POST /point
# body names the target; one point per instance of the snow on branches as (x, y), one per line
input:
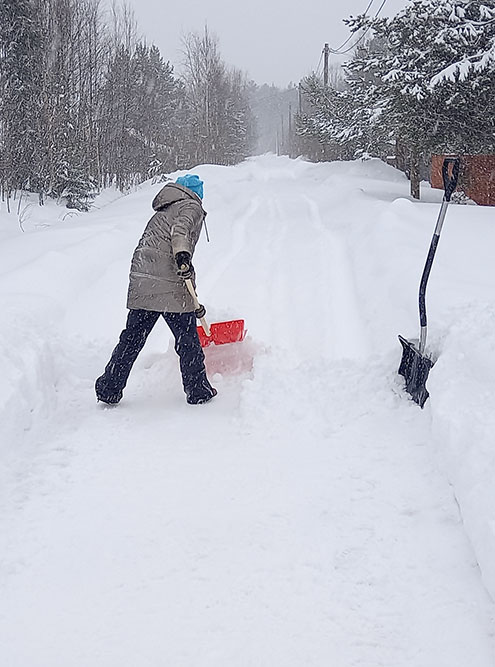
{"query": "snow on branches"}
(470, 30)
(433, 66)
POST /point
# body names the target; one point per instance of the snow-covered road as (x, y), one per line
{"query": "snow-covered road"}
(303, 517)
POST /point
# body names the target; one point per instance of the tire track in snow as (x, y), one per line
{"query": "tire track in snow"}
(215, 271)
(290, 288)
(345, 322)
(311, 265)
(271, 291)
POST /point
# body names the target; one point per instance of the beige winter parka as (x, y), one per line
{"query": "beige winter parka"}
(175, 227)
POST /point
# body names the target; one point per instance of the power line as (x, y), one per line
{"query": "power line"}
(351, 35)
(340, 52)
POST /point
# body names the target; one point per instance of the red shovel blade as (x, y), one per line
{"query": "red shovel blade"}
(222, 333)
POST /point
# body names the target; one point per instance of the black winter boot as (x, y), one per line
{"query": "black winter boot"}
(202, 394)
(104, 395)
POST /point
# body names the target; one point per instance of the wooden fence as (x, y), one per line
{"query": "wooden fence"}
(476, 178)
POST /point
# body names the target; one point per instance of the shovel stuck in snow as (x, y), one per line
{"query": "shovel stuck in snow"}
(415, 365)
(218, 333)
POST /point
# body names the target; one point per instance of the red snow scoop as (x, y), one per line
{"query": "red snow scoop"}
(218, 333)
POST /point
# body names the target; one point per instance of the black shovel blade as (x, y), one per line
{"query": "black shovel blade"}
(414, 368)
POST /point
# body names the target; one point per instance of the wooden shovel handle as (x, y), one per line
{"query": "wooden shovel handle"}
(197, 305)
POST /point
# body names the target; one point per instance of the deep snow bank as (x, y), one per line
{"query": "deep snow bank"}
(462, 385)
(48, 257)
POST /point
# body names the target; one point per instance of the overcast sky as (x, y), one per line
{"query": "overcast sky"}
(274, 41)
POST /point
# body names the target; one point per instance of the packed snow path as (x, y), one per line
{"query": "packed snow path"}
(301, 518)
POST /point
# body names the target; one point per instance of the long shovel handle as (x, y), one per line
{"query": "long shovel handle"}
(450, 180)
(449, 184)
(197, 305)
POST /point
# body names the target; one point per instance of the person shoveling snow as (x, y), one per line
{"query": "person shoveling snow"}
(160, 267)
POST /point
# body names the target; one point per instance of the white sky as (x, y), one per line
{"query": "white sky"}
(273, 41)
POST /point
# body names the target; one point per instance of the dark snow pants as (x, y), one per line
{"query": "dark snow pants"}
(110, 385)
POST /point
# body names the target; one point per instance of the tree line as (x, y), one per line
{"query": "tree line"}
(86, 104)
(422, 82)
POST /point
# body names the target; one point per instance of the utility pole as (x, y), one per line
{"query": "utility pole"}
(326, 52)
(290, 130)
(282, 135)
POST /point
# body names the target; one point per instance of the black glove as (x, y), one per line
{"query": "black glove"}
(184, 265)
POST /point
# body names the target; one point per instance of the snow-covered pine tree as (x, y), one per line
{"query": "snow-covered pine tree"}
(342, 121)
(237, 121)
(21, 48)
(142, 112)
(74, 185)
(323, 124)
(219, 121)
(116, 142)
(153, 119)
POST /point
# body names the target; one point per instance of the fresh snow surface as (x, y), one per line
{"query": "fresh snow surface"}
(311, 514)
